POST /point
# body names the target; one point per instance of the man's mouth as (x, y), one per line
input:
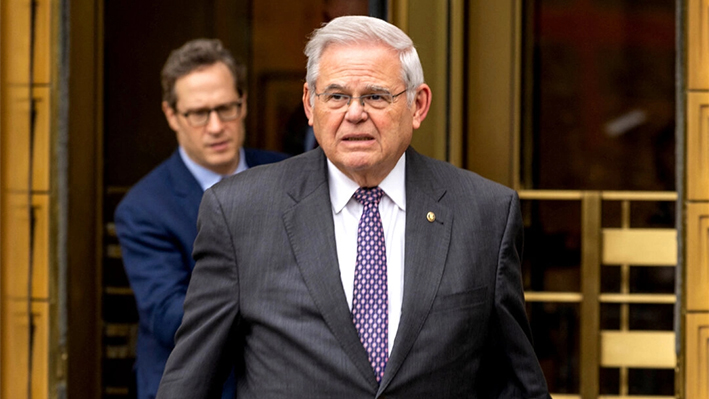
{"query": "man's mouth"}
(219, 144)
(357, 137)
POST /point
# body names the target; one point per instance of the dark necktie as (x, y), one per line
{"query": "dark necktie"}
(370, 301)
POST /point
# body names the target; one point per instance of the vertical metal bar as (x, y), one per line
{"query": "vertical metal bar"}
(449, 98)
(590, 288)
(624, 289)
(625, 214)
(455, 140)
(31, 209)
(516, 91)
(681, 18)
(398, 14)
(379, 9)
(623, 381)
(624, 322)
(528, 63)
(62, 13)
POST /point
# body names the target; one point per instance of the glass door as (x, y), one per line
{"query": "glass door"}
(596, 177)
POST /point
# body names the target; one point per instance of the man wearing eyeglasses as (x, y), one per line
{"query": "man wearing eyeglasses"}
(360, 269)
(204, 102)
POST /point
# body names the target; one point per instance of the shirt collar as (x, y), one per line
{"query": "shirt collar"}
(342, 187)
(205, 177)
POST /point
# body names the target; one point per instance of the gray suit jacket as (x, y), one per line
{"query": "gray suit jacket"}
(266, 294)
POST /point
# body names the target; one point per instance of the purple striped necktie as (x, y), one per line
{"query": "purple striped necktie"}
(370, 301)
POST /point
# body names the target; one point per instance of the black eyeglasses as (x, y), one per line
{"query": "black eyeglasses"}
(337, 101)
(225, 112)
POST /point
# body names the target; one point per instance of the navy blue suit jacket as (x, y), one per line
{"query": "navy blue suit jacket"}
(156, 223)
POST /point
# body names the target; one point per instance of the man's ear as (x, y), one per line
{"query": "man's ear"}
(244, 108)
(171, 116)
(306, 104)
(421, 105)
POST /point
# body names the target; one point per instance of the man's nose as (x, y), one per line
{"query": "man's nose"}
(214, 123)
(355, 111)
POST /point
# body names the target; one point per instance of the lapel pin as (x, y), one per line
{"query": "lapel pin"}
(431, 217)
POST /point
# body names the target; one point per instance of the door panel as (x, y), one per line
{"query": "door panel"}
(572, 103)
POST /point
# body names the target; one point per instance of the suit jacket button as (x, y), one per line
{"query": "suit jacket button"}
(431, 217)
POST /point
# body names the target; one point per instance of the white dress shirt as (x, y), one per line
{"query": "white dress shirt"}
(346, 212)
(205, 177)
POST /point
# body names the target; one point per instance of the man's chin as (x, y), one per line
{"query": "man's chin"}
(223, 165)
(358, 165)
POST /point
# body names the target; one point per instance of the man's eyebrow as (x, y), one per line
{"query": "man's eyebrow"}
(333, 86)
(197, 109)
(205, 108)
(377, 88)
(368, 88)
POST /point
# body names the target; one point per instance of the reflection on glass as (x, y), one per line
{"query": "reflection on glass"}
(610, 279)
(651, 382)
(555, 328)
(600, 95)
(646, 214)
(598, 106)
(644, 316)
(652, 279)
(610, 316)
(610, 381)
(552, 256)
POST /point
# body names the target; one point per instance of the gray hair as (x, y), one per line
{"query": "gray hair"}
(357, 29)
(196, 54)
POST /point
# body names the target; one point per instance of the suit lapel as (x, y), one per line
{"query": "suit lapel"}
(426, 251)
(183, 181)
(312, 236)
(185, 188)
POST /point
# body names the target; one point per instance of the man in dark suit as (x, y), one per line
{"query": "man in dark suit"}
(205, 104)
(360, 269)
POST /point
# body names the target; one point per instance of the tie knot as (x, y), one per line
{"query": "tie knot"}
(367, 196)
